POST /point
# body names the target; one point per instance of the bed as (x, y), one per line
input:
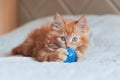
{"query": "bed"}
(101, 61)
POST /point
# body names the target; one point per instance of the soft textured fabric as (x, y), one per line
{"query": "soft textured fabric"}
(101, 62)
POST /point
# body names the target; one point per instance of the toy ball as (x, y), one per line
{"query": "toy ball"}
(71, 57)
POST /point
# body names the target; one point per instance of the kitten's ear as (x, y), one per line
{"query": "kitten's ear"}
(81, 24)
(58, 22)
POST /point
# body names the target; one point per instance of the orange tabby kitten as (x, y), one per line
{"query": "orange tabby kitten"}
(48, 43)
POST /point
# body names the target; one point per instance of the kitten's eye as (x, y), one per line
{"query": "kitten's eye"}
(74, 39)
(63, 38)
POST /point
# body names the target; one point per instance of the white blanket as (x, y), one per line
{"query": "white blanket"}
(101, 62)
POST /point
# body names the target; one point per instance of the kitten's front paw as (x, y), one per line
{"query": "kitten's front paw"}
(79, 55)
(62, 54)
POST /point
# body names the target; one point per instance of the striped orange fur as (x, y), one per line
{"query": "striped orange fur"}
(48, 43)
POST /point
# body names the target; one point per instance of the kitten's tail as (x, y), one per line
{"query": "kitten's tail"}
(16, 51)
(23, 49)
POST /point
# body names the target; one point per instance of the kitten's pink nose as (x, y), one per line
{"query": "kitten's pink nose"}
(65, 43)
(68, 46)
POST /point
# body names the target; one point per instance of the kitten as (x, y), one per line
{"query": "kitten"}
(48, 43)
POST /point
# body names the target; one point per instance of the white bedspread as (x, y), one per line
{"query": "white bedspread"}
(101, 62)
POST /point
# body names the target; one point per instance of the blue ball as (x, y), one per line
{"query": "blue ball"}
(72, 56)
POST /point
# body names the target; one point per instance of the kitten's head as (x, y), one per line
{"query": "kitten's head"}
(69, 33)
